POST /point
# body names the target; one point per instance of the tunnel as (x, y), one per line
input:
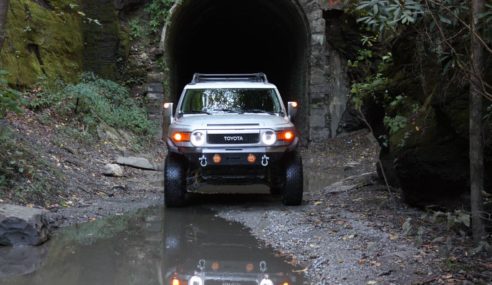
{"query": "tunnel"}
(240, 36)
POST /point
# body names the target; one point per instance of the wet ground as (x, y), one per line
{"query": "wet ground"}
(152, 246)
(350, 230)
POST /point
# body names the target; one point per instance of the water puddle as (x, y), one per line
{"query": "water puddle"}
(152, 246)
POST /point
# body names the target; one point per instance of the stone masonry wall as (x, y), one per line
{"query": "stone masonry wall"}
(328, 83)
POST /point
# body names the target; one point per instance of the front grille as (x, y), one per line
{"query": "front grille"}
(233, 138)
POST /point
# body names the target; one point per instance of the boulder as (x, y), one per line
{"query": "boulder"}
(137, 162)
(113, 170)
(22, 225)
(428, 156)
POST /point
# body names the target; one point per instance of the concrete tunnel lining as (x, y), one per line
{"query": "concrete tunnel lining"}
(224, 36)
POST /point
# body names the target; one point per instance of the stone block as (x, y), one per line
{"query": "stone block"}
(155, 88)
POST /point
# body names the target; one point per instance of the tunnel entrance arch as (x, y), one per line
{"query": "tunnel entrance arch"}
(241, 36)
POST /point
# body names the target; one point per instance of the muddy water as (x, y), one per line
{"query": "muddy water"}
(152, 246)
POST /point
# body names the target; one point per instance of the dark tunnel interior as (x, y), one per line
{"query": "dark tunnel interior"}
(241, 36)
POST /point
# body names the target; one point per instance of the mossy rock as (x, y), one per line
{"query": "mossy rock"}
(42, 42)
(430, 154)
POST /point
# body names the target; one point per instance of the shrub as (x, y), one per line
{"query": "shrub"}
(9, 98)
(93, 101)
(159, 12)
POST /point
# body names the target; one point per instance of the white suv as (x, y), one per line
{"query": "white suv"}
(232, 129)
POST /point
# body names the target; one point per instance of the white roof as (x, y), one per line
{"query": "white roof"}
(232, 84)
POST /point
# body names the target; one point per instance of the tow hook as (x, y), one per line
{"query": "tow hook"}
(203, 161)
(264, 160)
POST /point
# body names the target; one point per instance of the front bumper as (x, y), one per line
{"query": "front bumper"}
(227, 159)
(232, 155)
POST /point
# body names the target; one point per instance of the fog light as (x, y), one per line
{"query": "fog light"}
(175, 281)
(217, 159)
(251, 158)
(215, 266)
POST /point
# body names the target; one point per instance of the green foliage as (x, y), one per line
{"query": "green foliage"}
(10, 100)
(137, 30)
(369, 85)
(395, 124)
(93, 101)
(159, 12)
(383, 15)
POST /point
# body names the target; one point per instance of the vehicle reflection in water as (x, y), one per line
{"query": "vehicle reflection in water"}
(152, 246)
(202, 250)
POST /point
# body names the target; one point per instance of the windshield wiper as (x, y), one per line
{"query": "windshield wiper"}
(225, 110)
(197, 112)
(256, 111)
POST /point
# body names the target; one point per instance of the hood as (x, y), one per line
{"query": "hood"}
(232, 121)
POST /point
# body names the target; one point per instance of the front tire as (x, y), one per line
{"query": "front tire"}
(174, 181)
(293, 187)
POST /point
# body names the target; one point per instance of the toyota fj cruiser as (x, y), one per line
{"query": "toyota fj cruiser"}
(232, 129)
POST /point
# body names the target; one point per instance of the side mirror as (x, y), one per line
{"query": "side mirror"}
(168, 111)
(292, 109)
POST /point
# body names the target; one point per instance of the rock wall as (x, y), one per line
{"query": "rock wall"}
(429, 156)
(328, 84)
(106, 46)
(42, 39)
(62, 38)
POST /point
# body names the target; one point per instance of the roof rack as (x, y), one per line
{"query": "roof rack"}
(248, 77)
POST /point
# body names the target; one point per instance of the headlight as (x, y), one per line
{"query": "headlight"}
(268, 137)
(197, 138)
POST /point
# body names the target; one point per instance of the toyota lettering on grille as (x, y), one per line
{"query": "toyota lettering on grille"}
(233, 138)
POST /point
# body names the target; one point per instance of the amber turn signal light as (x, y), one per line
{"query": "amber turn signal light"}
(287, 136)
(175, 281)
(180, 137)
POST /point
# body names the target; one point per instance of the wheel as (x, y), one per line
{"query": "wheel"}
(174, 181)
(293, 187)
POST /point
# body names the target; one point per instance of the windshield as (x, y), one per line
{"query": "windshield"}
(240, 100)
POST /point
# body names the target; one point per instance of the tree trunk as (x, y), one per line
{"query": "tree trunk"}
(476, 125)
(4, 8)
